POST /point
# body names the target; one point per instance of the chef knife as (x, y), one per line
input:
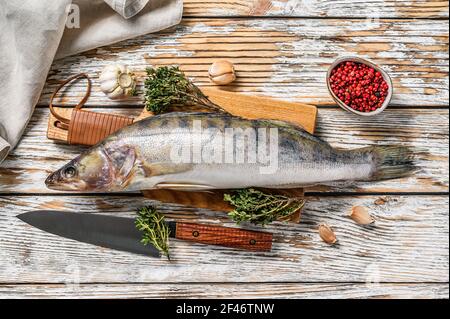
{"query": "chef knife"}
(120, 233)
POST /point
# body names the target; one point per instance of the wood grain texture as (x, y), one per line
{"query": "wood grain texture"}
(228, 291)
(224, 236)
(213, 200)
(254, 107)
(426, 131)
(280, 58)
(408, 243)
(318, 8)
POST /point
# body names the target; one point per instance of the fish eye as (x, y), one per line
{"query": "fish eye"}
(70, 172)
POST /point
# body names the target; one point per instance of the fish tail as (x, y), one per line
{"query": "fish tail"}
(391, 162)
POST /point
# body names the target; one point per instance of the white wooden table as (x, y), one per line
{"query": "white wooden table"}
(281, 49)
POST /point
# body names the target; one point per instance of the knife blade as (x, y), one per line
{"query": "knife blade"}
(120, 233)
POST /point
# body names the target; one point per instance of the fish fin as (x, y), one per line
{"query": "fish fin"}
(157, 169)
(296, 129)
(128, 164)
(391, 162)
(285, 124)
(183, 186)
(126, 180)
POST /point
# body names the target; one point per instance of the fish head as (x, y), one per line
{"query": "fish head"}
(90, 171)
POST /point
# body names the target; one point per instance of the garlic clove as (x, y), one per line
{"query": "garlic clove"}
(361, 215)
(222, 72)
(108, 86)
(327, 234)
(224, 79)
(221, 67)
(116, 94)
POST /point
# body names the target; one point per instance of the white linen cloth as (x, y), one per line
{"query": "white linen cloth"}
(34, 32)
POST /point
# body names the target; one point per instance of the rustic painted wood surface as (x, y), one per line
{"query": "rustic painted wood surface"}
(281, 49)
(318, 8)
(195, 291)
(409, 243)
(281, 58)
(426, 130)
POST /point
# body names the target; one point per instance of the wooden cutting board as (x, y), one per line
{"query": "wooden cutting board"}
(255, 107)
(246, 106)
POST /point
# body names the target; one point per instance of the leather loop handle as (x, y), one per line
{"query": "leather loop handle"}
(65, 122)
(224, 236)
(85, 127)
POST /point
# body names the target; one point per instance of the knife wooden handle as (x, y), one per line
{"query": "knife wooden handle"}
(224, 236)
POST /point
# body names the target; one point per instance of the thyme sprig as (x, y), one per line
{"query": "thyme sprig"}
(168, 85)
(155, 230)
(260, 208)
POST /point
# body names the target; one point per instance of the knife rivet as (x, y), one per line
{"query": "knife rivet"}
(252, 242)
(195, 233)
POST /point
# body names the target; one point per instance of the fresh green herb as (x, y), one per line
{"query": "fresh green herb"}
(260, 208)
(155, 230)
(167, 86)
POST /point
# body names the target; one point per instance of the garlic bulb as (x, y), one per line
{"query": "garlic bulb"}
(117, 81)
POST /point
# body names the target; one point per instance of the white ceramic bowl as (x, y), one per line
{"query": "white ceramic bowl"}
(386, 77)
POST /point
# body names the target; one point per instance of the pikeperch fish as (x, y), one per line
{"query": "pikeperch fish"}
(202, 151)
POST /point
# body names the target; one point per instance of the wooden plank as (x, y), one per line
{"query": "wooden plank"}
(409, 243)
(425, 130)
(233, 291)
(318, 8)
(284, 59)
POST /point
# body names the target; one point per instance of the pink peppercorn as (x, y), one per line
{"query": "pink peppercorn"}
(359, 86)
